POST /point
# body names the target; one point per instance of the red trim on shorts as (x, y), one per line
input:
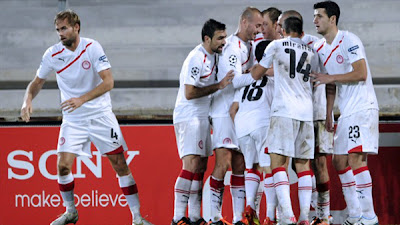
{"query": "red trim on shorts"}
(130, 190)
(216, 184)
(84, 50)
(356, 149)
(57, 52)
(360, 170)
(268, 175)
(266, 150)
(67, 187)
(304, 173)
(344, 171)
(116, 151)
(198, 176)
(323, 187)
(279, 169)
(186, 175)
(237, 180)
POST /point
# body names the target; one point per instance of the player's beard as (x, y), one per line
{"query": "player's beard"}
(218, 49)
(69, 41)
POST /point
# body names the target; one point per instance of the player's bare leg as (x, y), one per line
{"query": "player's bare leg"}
(319, 165)
(362, 176)
(66, 184)
(304, 188)
(237, 186)
(223, 159)
(282, 187)
(341, 164)
(128, 186)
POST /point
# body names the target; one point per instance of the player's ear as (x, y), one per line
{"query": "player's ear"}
(207, 39)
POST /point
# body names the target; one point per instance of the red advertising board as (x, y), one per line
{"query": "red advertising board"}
(30, 192)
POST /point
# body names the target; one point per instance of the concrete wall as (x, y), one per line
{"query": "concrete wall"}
(148, 40)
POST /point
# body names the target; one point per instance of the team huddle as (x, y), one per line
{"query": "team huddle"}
(267, 92)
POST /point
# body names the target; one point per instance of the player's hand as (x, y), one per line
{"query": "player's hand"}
(26, 111)
(71, 104)
(320, 78)
(329, 123)
(227, 80)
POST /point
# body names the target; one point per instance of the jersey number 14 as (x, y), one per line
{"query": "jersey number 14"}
(300, 64)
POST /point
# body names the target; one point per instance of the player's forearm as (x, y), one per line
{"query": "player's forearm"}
(242, 80)
(258, 71)
(101, 89)
(359, 73)
(330, 90)
(33, 89)
(198, 92)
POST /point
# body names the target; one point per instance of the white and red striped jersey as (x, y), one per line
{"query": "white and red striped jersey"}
(238, 56)
(337, 58)
(199, 69)
(293, 60)
(77, 74)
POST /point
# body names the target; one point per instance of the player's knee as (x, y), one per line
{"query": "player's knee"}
(355, 160)
(63, 169)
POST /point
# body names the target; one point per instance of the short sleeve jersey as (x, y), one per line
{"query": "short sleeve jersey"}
(337, 58)
(77, 74)
(254, 108)
(293, 60)
(319, 96)
(199, 69)
(238, 56)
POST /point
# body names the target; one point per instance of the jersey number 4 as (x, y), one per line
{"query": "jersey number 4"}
(300, 64)
(250, 89)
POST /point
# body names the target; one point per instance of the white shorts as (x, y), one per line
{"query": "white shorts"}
(224, 135)
(104, 131)
(253, 148)
(323, 138)
(358, 132)
(193, 137)
(291, 138)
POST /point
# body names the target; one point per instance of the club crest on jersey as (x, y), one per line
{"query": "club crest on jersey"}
(232, 60)
(339, 59)
(86, 65)
(227, 141)
(201, 144)
(62, 141)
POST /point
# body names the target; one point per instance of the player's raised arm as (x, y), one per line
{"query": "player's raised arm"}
(31, 91)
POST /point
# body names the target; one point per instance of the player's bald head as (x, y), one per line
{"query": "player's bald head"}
(291, 13)
(249, 13)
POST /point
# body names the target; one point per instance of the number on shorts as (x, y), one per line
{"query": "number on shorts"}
(114, 134)
(300, 64)
(354, 132)
(249, 90)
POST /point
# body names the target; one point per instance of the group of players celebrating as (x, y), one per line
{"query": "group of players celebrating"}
(267, 91)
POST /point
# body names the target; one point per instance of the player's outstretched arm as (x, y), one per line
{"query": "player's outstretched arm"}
(192, 92)
(108, 83)
(31, 91)
(258, 71)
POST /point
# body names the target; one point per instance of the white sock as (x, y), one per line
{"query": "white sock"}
(364, 191)
(314, 195)
(270, 195)
(349, 191)
(196, 190)
(129, 188)
(182, 193)
(66, 184)
(282, 188)
(305, 191)
(252, 182)
(216, 195)
(323, 203)
(238, 196)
